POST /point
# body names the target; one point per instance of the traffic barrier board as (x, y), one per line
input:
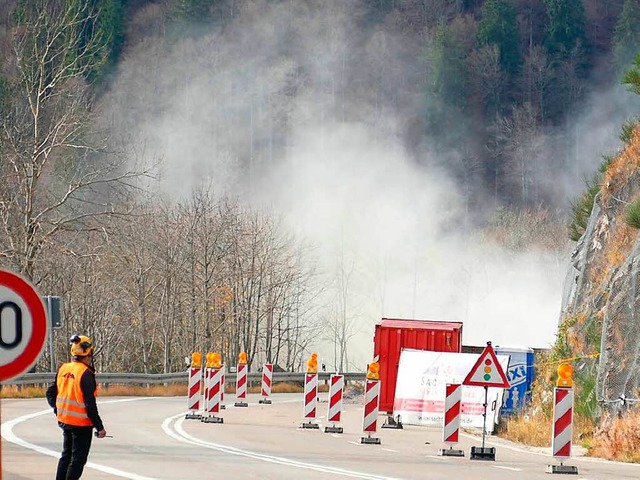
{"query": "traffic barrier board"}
(23, 325)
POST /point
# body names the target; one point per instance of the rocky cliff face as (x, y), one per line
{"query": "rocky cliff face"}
(602, 289)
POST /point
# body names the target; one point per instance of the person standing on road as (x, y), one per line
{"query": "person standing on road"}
(72, 396)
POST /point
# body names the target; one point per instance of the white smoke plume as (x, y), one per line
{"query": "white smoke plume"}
(259, 106)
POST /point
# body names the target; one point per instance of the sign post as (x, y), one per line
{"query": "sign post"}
(54, 313)
(486, 373)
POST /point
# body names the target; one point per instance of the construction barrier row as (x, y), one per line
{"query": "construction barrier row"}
(486, 371)
(213, 393)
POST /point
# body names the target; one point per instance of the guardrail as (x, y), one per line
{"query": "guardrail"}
(177, 377)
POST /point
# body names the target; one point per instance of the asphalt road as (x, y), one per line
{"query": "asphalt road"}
(152, 440)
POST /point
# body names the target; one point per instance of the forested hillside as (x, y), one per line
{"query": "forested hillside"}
(145, 147)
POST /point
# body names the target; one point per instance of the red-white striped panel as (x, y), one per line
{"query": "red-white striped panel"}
(267, 376)
(206, 380)
(193, 392)
(213, 393)
(562, 423)
(452, 403)
(335, 398)
(241, 382)
(371, 402)
(310, 395)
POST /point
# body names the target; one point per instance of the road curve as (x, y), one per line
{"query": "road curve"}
(152, 440)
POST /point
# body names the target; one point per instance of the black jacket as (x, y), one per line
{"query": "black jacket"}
(88, 387)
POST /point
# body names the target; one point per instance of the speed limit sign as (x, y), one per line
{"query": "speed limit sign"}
(23, 325)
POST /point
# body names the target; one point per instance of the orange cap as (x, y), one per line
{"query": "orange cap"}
(373, 371)
(196, 360)
(213, 360)
(242, 358)
(312, 363)
(565, 373)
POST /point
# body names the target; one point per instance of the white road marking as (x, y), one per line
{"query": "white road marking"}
(513, 469)
(354, 443)
(7, 434)
(183, 436)
(389, 450)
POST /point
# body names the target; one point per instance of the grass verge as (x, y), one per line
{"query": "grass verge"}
(619, 439)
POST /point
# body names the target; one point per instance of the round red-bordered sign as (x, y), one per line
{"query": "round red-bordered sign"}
(21, 297)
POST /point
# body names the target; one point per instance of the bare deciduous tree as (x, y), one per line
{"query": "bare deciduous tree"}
(53, 180)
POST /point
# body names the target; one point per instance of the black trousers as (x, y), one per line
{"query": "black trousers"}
(75, 450)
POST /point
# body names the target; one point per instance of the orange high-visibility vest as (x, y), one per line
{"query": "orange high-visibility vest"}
(70, 401)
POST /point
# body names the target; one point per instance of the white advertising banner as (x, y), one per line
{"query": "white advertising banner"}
(421, 389)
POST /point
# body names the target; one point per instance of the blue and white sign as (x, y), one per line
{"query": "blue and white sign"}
(520, 374)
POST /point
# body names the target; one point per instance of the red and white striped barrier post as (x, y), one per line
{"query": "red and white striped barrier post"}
(451, 424)
(562, 421)
(371, 403)
(310, 400)
(241, 381)
(267, 380)
(335, 403)
(213, 374)
(194, 387)
(310, 393)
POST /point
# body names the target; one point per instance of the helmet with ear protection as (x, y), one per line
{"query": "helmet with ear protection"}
(81, 346)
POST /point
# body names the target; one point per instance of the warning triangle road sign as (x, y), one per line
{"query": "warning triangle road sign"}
(487, 371)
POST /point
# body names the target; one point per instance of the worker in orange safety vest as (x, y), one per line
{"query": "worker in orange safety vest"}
(73, 398)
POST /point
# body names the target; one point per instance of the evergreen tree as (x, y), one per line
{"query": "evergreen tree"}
(450, 119)
(452, 45)
(111, 22)
(632, 77)
(627, 34)
(499, 27)
(566, 29)
(108, 23)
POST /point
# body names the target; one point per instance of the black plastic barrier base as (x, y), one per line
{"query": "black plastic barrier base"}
(241, 404)
(451, 452)
(333, 429)
(212, 420)
(193, 416)
(370, 440)
(562, 469)
(311, 425)
(265, 401)
(486, 453)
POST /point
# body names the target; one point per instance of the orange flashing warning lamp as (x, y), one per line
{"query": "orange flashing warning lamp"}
(196, 360)
(213, 360)
(565, 373)
(242, 358)
(312, 363)
(373, 371)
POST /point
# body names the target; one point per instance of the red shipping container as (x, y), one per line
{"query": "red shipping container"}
(393, 334)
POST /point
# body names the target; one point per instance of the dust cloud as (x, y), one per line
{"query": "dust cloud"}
(295, 108)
